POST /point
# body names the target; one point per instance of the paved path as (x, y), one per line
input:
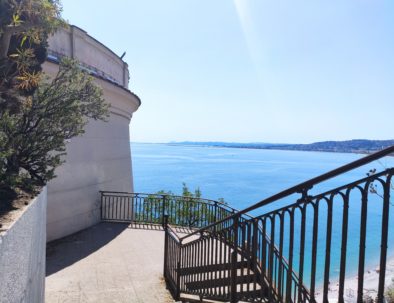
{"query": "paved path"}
(109, 262)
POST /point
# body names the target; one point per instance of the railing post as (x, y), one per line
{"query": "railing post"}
(178, 282)
(101, 205)
(233, 295)
(384, 239)
(215, 215)
(178, 275)
(132, 199)
(254, 265)
(163, 213)
(363, 234)
(165, 226)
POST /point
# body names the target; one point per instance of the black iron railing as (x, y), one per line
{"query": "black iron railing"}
(172, 255)
(151, 208)
(255, 259)
(193, 213)
(232, 260)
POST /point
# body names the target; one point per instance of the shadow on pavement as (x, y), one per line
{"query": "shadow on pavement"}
(66, 251)
(147, 226)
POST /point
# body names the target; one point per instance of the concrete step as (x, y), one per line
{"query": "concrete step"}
(211, 268)
(250, 296)
(188, 298)
(219, 282)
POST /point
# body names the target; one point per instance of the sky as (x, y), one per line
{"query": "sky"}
(292, 71)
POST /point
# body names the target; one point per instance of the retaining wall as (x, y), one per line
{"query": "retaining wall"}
(22, 255)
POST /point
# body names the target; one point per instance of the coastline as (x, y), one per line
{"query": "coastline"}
(371, 281)
(273, 147)
(360, 153)
(361, 147)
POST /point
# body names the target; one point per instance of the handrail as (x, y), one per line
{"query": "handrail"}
(332, 191)
(172, 245)
(194, 212)
(248, 256)
(173, 196)
(173, 231)
(299, 188)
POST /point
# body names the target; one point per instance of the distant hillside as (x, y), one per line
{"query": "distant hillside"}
(350, 146)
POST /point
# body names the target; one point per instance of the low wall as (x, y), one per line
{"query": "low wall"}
(22, 255)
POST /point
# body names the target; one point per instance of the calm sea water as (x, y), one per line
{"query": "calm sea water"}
(245, 176)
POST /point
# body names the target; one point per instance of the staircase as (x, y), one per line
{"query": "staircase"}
(216, 282)
(223, 266)
(241, 258)
(206, 267)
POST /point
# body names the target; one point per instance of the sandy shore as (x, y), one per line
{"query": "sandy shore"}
(371, 281)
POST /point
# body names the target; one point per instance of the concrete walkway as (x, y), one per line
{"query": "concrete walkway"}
(109, 262)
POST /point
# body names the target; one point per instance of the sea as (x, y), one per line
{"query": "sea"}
(243, 177)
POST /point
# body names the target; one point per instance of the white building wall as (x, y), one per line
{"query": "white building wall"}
(100, 159)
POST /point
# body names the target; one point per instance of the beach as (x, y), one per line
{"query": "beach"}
(371, 281)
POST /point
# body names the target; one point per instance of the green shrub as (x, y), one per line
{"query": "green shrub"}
(187, 210)
(37, 115)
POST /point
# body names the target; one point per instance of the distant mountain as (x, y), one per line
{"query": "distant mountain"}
(350, 146)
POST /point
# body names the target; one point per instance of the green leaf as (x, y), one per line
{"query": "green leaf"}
(23, 40)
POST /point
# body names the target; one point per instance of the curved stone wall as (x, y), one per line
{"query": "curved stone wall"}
(100, 159)
(76, 43)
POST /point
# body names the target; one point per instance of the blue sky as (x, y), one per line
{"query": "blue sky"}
(251, 71)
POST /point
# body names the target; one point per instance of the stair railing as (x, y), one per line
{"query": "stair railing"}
(274, 243)
(210, 261)
(172, 251)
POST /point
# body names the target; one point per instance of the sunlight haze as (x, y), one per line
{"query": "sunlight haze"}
(251, 71)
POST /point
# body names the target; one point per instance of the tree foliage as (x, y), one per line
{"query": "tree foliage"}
(24, 29)
(33, 140)
(37, 114)
(188, 210)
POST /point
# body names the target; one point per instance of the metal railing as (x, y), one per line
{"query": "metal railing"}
(231, 260)
(188, 212)
(151, 208)
(172, 258)
(293, 238)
